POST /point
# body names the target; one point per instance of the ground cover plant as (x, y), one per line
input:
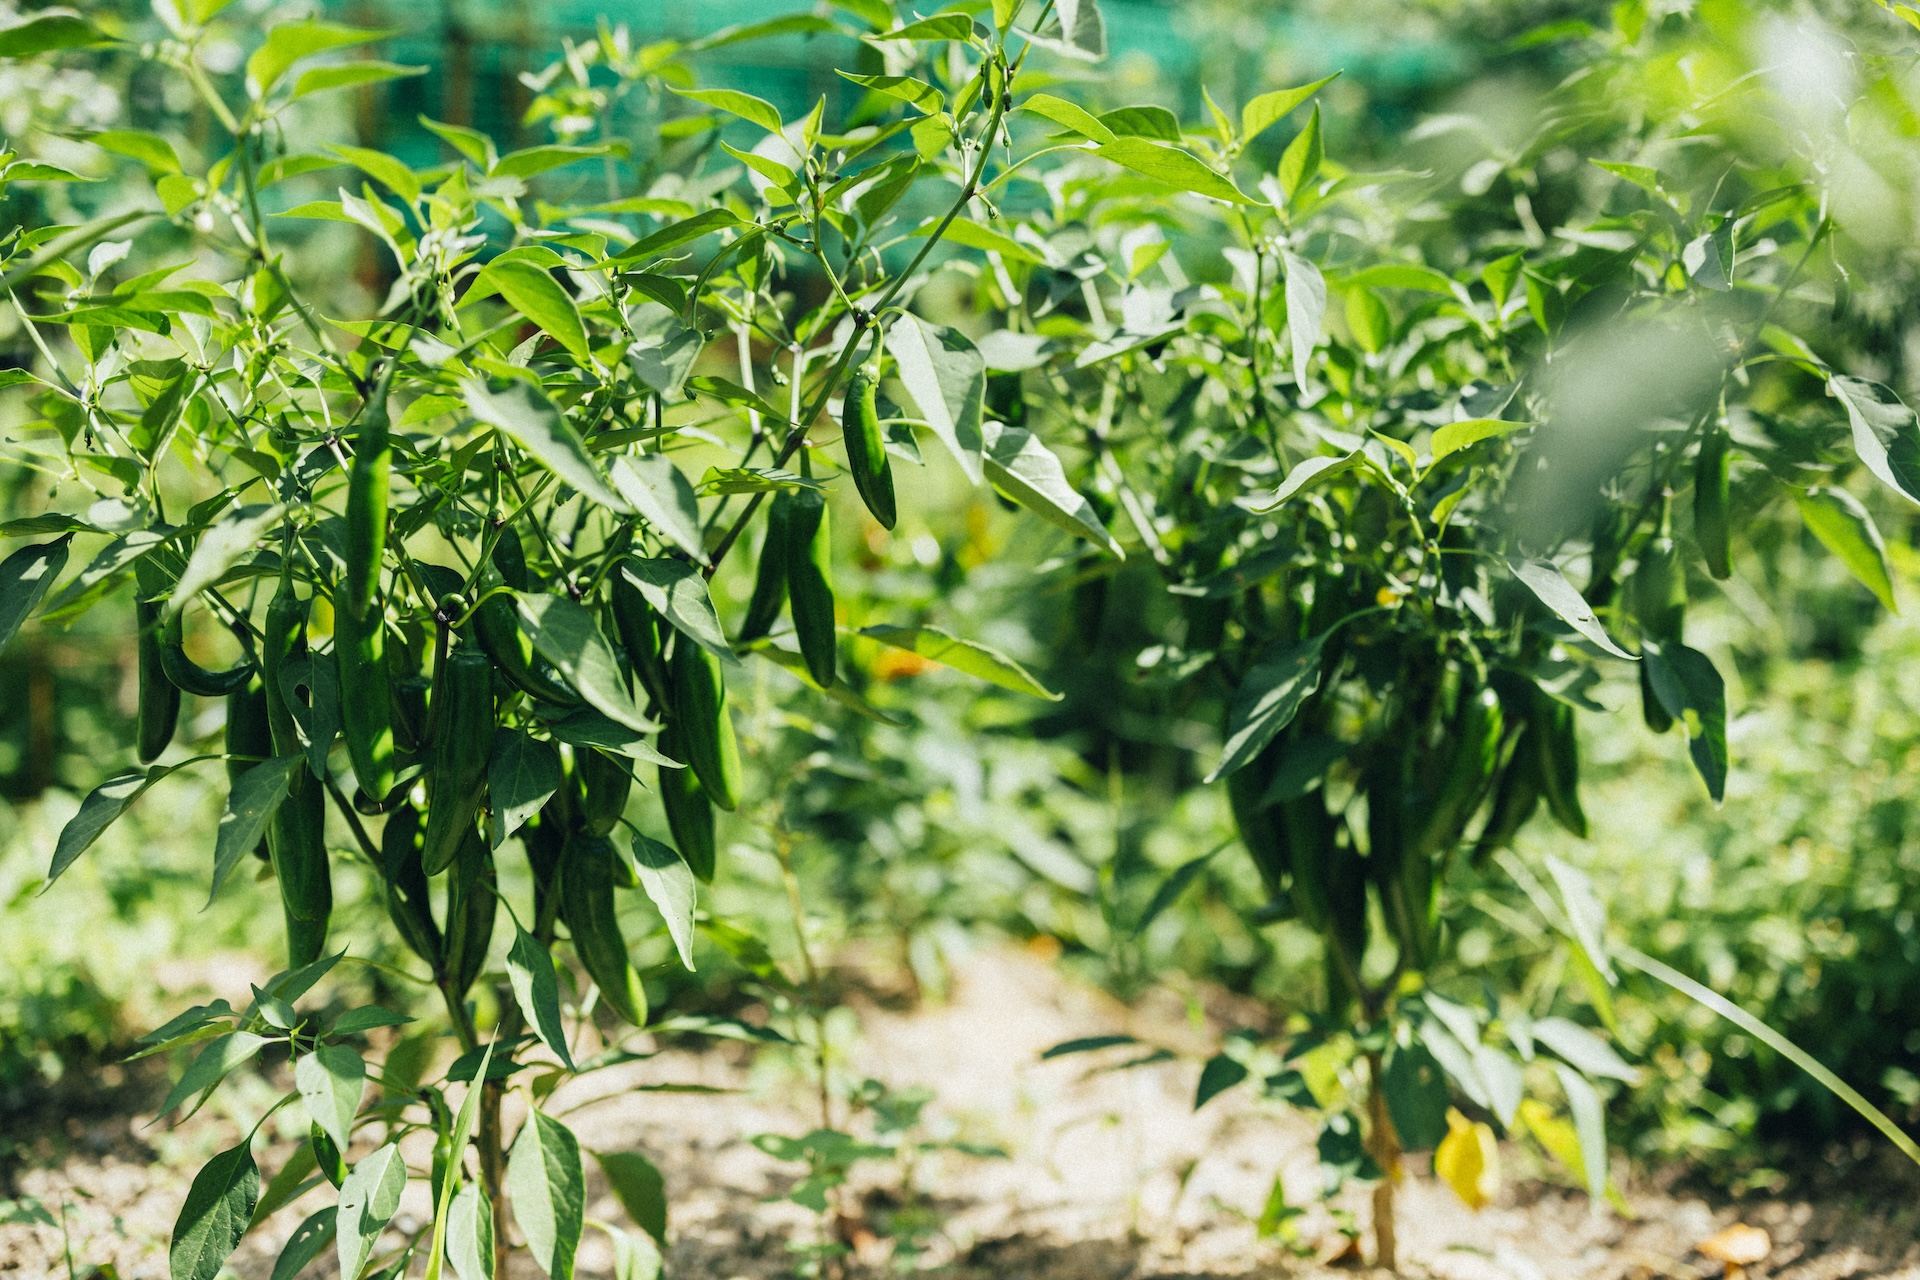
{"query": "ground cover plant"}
(463, 545)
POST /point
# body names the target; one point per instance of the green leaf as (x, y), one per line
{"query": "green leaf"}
(471, 143)
(962, 655)
(331, 1080)
(1171, 165)
(1085, 1044)
(319, 210)
(383, 168)
(530, 971)
(917, 94)
(1416, 1094)
(1400, 275)
(1456, 436)
(749, 108)
(289, 42)
(1069, 115)
(679, 233)
(947, 377)
(585, 727)
(973, 235)
(1711, 999)
(251, 803)
(664, 498)
(639, 1188)
(150, 149)
(634, 1257)
(214, 1218)
(1267, 700)
(219, 548)
(1219, 1075)
(1155, 123)
(366, 1018)
(1268, 109)
(533, 161)
(678, 592)
(1886, 434)
(732, 481)
(100, 810)
(213, 1064)
(1585, 914)
(99, 576)
(350, 75)
(945, 26)
(48, 33)
(565, 634)
(525, 414)
(548, 1190)
(662, 359)
(538, 296)
(368, 1199)
(1020, 466)
(790, 661)
(1546, 581)
(1590, 1122)
(667, 879)
(522, 773)
(295, 1179)
(1300, 162)
(470, 1233)
(308, 1241)
(1082, 27)
(1586, 1051)
(24, 578)
(1170, 890)
(1690, 688)
(1841, 522)
(1306, 312)
(791, 24)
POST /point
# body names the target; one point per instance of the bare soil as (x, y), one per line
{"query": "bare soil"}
(1108, 1175)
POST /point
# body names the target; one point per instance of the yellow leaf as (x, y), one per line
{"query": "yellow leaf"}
(1468, 1160)
(1555, 1133)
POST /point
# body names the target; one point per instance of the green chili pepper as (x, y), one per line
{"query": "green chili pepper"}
(159, 696)
(1712, 501)
(639, 628)
(409, 903)
(770, 576)
(496, 626)
(867, 450)
(462, 742)
(689, 811)
(327, 1156)
(586, 904)
(605, 782)
(248, 734)
(810, 585)
(366, 697)
(1515, 796)
(296, 835)
(189, 676)
(471, 903)
(699, 702)
(1558, 751)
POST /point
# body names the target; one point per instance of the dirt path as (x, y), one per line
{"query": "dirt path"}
(1109, 1176)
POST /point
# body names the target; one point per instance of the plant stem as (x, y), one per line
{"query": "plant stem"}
(1386, 1154)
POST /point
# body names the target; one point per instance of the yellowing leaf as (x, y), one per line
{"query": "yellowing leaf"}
(1468, 1160)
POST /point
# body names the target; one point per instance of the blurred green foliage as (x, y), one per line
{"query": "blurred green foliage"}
(1798, 898)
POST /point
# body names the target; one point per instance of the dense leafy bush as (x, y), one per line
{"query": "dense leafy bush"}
(1344, 489)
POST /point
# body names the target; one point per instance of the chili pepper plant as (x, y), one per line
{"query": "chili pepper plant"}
(465, 557)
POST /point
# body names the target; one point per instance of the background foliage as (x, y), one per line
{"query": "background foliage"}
(1797, 897)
